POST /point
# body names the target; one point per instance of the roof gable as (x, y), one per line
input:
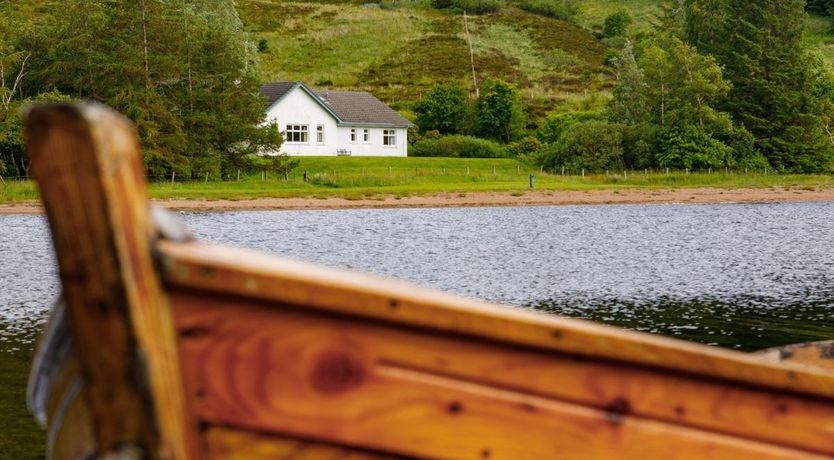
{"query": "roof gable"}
(347, 107)
(276, 91)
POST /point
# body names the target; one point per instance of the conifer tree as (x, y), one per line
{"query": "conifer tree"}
(760, 47)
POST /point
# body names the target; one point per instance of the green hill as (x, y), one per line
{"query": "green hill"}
(397, 52)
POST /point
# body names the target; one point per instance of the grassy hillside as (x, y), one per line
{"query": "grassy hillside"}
(398, 52)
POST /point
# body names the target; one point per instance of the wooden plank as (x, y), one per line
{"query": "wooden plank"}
(817, 354)
(228, 444)
(377, 385)
(247, 273)
(87, 163)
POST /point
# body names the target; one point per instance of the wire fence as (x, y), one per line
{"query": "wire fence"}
(392, 172)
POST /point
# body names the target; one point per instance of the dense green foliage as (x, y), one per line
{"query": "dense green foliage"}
(593, 145)
(500, 114)
(823, 7)
(181, 70)
(616, 25)
(780, 93)
(457, 146)
(442, 109)
(470, 6)
(717, 83)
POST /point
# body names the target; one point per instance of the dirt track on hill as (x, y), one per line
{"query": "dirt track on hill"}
(480, 199)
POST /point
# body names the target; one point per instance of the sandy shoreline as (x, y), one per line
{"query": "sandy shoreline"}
(481, 199)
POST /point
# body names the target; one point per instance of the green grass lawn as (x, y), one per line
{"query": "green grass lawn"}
(358, 178)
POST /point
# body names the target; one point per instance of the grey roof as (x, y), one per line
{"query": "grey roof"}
(361, 108)
(275, 91)
(349, 107)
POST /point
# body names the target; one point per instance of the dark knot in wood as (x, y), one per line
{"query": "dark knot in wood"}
(337, 372)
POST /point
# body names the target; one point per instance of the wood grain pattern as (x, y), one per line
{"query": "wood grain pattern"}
(87, 163)
(230, 444)
(375, 385)
(318, 289)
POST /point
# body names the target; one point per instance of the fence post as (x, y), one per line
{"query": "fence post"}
(583, 172)
(207, 177)
(173, 175)
(687, 171)
(646, 172)
(563, 171)
(667, 171)
(238, 175)
(517, 170)
(363, 172)
(541, 170)
(389, 171)
(263, 176)
(467, 170)
(709, 171)
(3, 181)
(493, 170)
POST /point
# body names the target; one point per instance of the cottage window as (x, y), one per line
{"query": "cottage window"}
(320, 134)
(366, 135)
(389, 137)
(353, 134)
(296, 133)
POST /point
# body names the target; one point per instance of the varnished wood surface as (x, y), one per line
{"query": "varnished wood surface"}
(816, 354)
(231, 444)
(215, 269)
(87, 163)
(278, 369)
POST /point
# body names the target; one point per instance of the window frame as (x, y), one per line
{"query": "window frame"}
(353, 134)
(320, 134)
(366, 135)
(389, 137)
(297, 133)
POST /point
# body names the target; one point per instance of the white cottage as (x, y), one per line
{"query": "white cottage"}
(334, 122)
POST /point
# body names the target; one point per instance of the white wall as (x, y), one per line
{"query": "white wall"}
(374, 147)
(298, 108)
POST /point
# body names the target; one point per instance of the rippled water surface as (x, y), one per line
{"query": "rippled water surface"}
(741, 276)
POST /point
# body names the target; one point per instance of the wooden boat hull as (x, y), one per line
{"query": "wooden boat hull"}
(226, 353)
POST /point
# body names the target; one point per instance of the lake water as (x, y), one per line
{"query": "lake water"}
(740, 276)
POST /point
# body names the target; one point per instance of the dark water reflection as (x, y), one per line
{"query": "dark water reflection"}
(740, 276)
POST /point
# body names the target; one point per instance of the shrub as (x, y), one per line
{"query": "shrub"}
(500, 114)
(690, 147)
(565, 10)
(592, 145)
(442, 108)
(556, 124)
(263, 46)
(616, 24)
(458, 147)
(470, 6)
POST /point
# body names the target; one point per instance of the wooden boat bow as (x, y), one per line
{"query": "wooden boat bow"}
(188, 350)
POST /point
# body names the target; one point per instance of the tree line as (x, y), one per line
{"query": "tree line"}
(717, 83)
(184, 71)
